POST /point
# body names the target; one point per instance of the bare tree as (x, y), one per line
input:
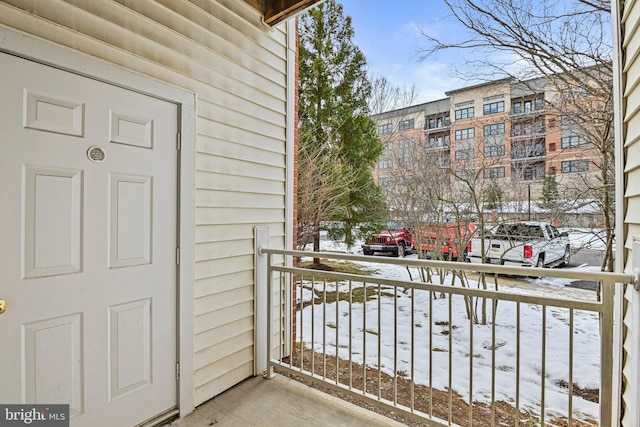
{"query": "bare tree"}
(570, 46)
(387, 96)
(428, 190)
(321, 184)
(390, 105)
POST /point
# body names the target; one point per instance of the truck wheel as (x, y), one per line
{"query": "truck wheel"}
(367, 252)
(566, 258)
(401, 251)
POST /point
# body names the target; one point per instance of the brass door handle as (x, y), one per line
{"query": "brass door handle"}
(3, 306)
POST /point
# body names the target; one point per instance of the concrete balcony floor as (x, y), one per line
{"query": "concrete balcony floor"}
(280, 402)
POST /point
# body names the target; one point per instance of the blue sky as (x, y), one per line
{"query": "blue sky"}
(387, 33)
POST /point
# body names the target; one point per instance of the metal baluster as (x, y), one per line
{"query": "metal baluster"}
(364, 340)
(544, 364)
(570, 415)
(350, 334)
(395, 345)
(379, 341)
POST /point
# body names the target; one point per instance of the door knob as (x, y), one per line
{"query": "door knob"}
(3, 306)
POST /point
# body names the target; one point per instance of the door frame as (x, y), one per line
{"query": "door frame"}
(49, 53)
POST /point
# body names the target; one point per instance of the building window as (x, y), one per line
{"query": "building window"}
(493, 150)
(517, 129)
(520, 129)
(384, 163)
(465, 134)
(572, 166)
(405, 151)
(385, 128)
(406, 124)
(438, 141)
(552, 146)
(386, 160)
(532, 172)
(385, 181)
(438, 122)
(496, 172)
(517, 107)
(465, 113)
(493, 108)
(495, 129)
(465, 174)
(573, 141)
(538, 103)
(465, 154)
(527, 106)
(574, 92)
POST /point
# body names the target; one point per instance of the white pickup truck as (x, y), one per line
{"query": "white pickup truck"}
(525, 244)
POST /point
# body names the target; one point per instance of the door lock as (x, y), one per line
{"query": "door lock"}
(3, 306)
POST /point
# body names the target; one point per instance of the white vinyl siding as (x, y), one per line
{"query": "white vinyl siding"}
(628, 143)
(237, 67)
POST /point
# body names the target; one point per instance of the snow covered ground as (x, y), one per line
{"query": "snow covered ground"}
(451, 346)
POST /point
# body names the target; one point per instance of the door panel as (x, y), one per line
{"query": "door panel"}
(52, 221)
(88, 186)
(55, 375)
(130, 343)
(130, 220)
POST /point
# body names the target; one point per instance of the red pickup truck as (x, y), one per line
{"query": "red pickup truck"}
(445, 241)
(395, 240)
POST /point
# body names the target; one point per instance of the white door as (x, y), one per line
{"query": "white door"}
(88, 196)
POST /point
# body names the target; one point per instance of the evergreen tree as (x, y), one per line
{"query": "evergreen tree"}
(334, 124)
(493, 195)
(550, 194)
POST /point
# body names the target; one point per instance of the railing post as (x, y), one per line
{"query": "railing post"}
(606, 354)
(260, 300)
(630, 416)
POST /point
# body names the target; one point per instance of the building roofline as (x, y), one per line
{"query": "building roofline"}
(423, 107)
(492, 82)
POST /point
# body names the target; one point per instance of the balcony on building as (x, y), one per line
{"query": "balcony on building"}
(438, 143)
(526, 107)
(533, 171)
(529, 151)
(528, 132)
(437, 124)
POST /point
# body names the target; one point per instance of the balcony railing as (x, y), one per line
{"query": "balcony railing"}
(526, 111)
(437, 127)
(417, 346)
(528, 135)
(528, 152)
(438, 145)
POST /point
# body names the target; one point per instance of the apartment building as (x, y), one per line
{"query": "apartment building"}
(512, 133)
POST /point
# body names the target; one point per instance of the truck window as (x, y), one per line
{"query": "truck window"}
(551, 232)
(519, 231)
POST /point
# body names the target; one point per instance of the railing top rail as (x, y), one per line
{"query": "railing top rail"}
(605, 277)
(436, 287)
